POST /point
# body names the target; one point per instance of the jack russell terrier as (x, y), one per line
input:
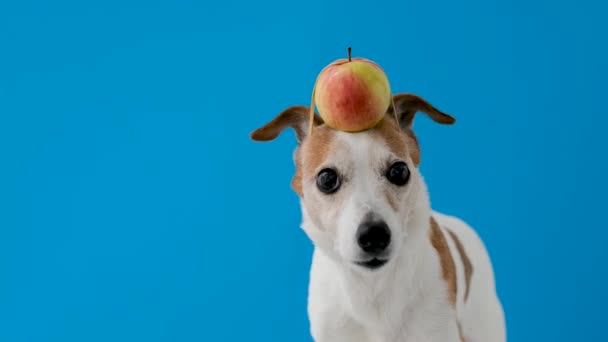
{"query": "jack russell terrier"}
(386, 267)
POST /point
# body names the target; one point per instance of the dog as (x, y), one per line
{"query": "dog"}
(385, 267)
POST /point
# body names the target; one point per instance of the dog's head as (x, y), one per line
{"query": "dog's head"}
(361, 193)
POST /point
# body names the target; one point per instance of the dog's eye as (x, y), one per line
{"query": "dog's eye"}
(328, 181)
(398, 173)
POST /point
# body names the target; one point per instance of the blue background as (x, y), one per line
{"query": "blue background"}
(134, 207)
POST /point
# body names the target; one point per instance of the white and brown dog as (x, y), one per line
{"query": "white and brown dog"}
(386, 267)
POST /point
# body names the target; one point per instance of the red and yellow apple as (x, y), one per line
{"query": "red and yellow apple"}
(352, 94)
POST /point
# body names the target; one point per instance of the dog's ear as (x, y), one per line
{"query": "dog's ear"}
(296, 117)
(407, 105)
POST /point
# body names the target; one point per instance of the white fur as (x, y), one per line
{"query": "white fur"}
(406, 299)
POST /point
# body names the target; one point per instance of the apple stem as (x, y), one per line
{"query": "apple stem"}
(349, 57)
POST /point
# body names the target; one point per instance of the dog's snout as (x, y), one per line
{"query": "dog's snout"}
(373, 237)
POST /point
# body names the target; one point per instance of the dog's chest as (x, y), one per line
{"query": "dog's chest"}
(401, 313)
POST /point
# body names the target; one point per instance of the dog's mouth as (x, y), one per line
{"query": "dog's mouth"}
(372, 264)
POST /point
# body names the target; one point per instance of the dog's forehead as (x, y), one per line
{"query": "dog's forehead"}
(325, 142)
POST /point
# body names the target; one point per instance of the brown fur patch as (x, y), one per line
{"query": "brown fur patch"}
(448, 267)
(413, 146)
(399, 143)
(296, 181)
(390, 133)
(315, 148)
(311, 154)
(466, 262)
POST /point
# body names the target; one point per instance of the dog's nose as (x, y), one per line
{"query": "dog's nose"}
(373, 237)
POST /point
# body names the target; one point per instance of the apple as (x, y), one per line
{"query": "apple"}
(352, 94)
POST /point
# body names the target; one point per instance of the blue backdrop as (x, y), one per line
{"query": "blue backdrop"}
(134, 207)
